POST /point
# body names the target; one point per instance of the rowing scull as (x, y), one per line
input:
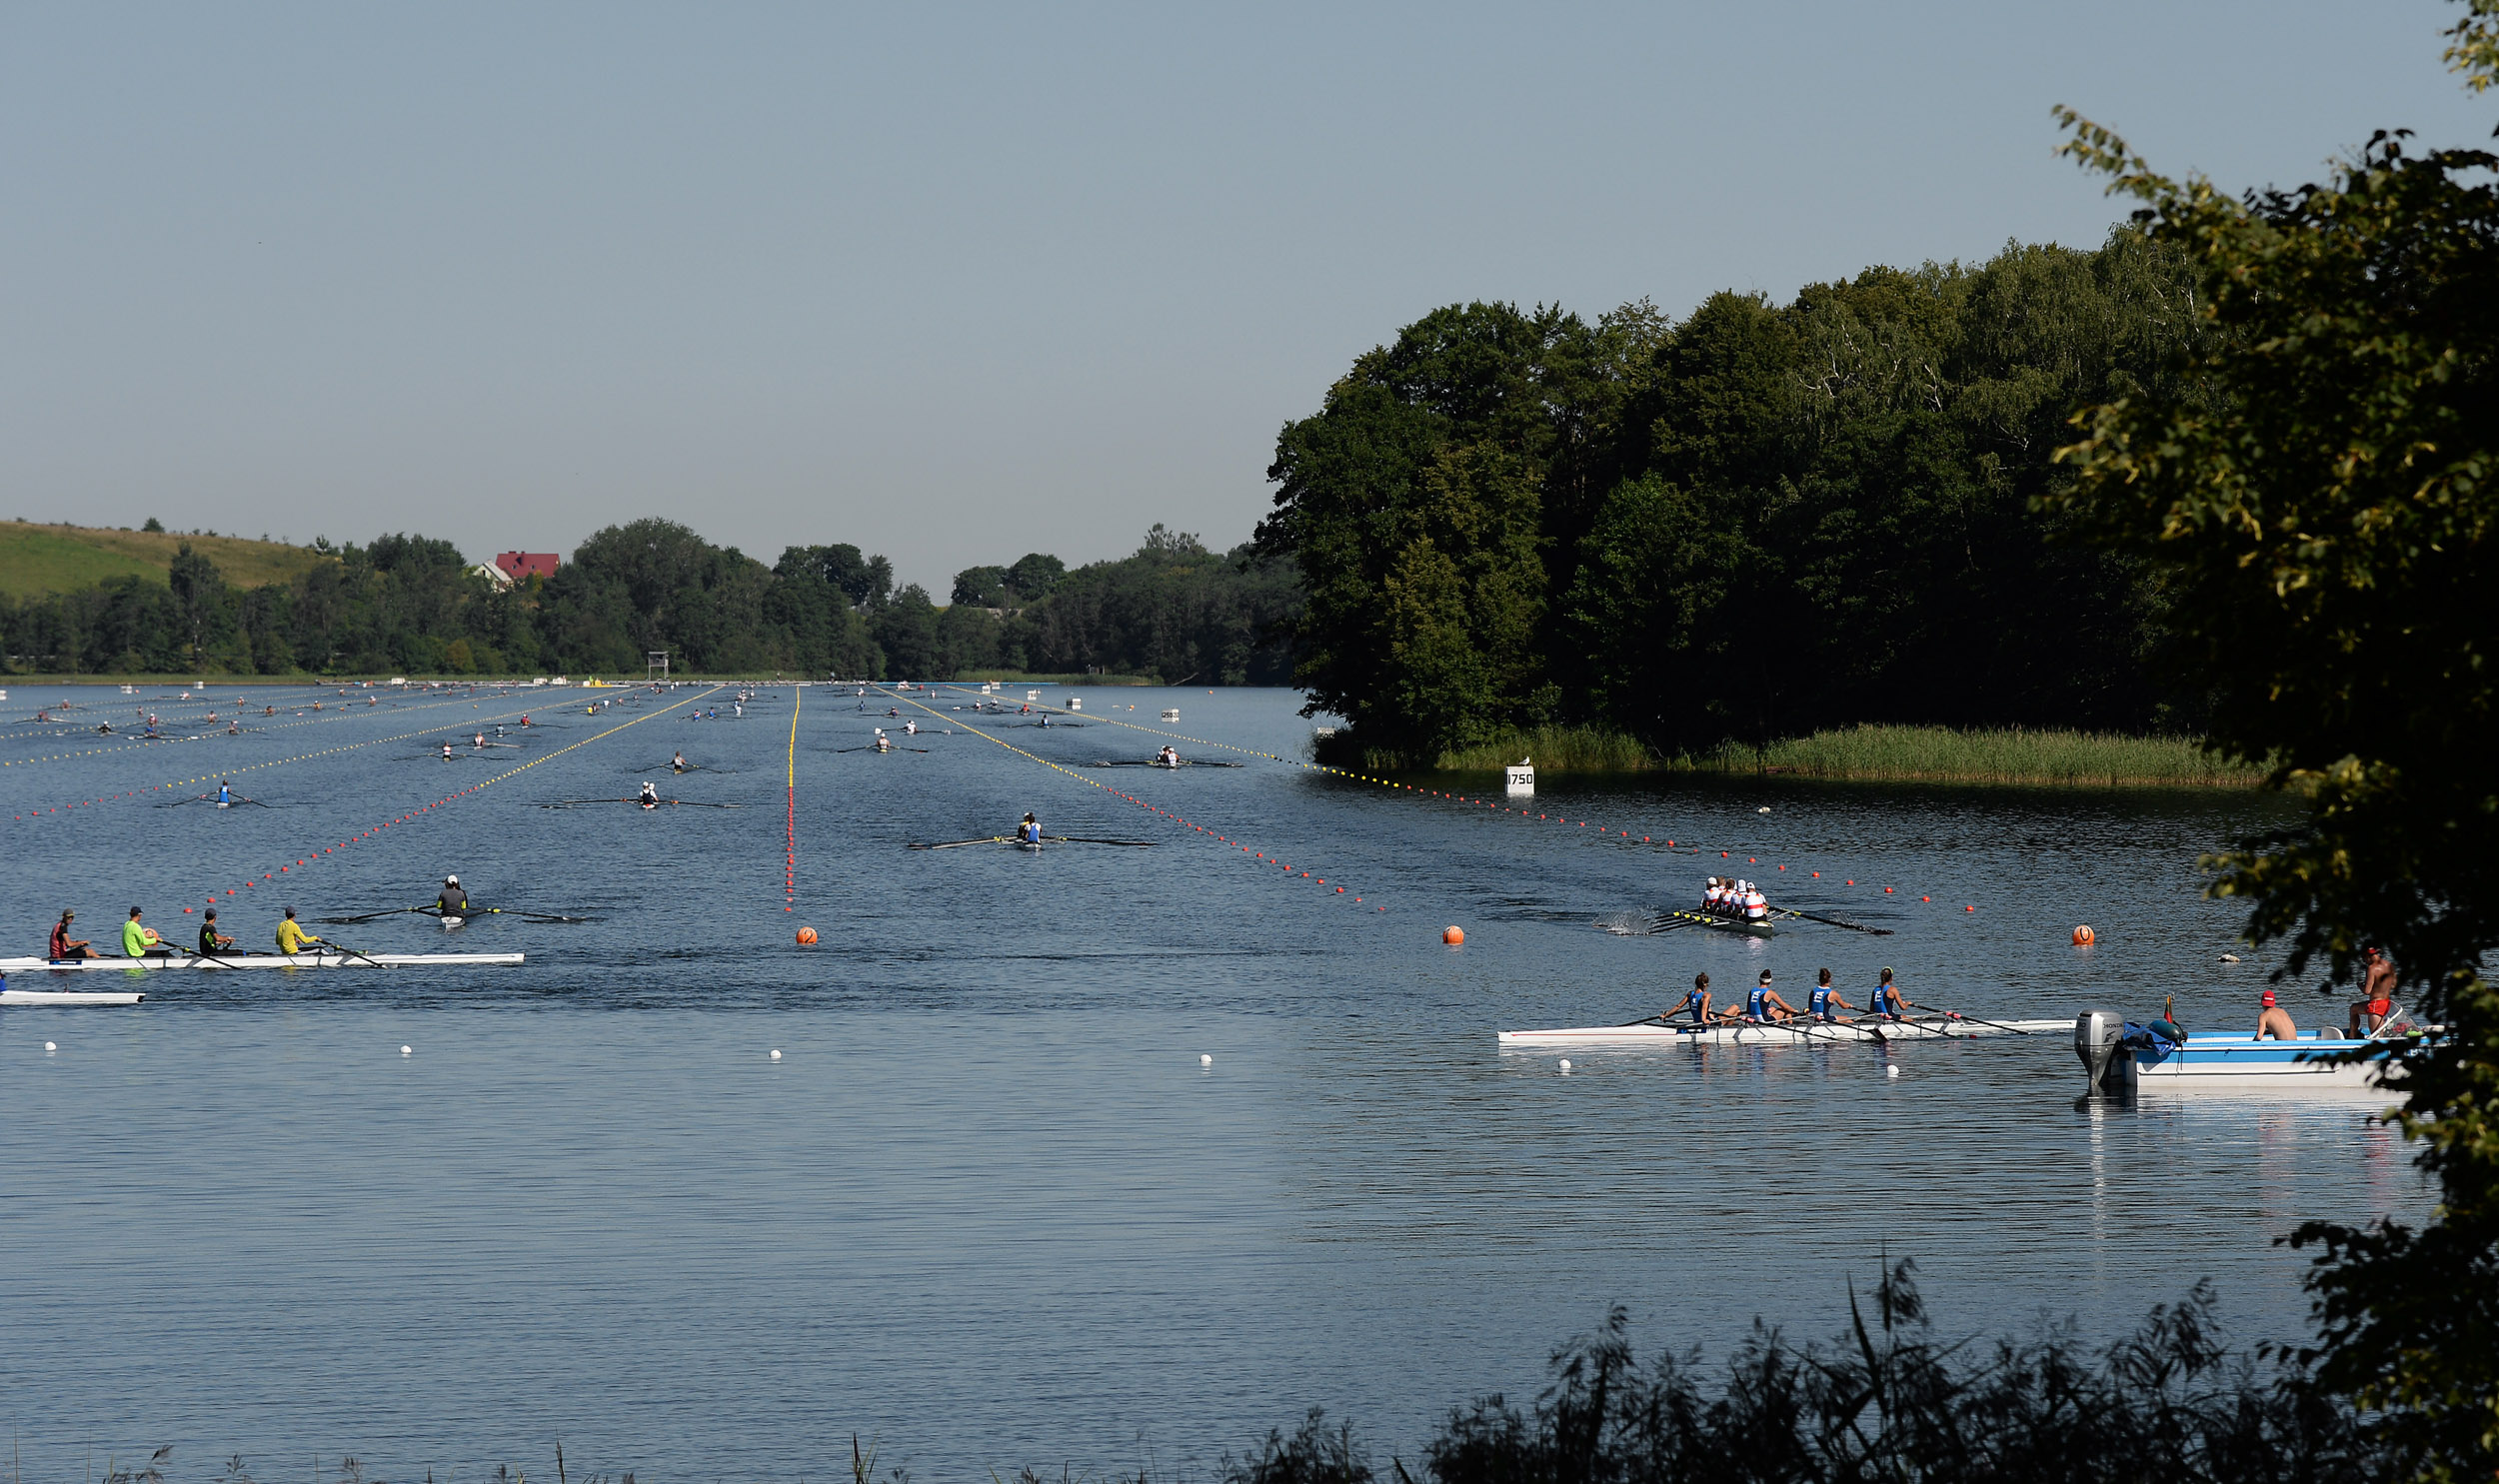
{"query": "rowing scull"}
(253, 961)
(1752, 1033)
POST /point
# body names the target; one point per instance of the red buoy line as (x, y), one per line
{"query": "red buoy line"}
(1129, 798)
(1420, 792)
(413, 815)
(236, 773)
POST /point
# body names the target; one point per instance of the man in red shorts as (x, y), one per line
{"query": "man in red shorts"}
(2377, 994)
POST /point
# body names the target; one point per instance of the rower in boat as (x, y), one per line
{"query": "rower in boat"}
(1170, 756)
(1763, 1006)
(291, 934)
(1713, 897)
(225, 794)
(212, 942)
(63, 946)
(677, 764)
(1824, 1003)
(1889, 1003)
(1757, 907)
(911, 727)
(1697, 1004)
(650, 797)
(446, 751)
(1030, 831)
(139, 940)
(452, 902)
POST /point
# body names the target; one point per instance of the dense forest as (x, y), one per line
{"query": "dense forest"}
(1758, 521)
(412, 604)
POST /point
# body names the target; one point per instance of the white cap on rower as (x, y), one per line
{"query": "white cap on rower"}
(451, 880)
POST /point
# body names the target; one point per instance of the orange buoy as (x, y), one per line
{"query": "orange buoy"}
(807, 935)
(2084, 938)
(1453, 934)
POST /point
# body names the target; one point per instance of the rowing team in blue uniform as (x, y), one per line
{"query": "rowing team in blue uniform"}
(1765, 1007)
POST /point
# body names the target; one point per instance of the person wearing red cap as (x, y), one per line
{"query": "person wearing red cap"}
(2275, 1022)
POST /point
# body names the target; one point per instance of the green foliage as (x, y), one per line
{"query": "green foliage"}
(1034, 577)
(981, 587)
(1174, 610)
(1739, 525)
(153, 525)
(2321, 527)
(1988, 756)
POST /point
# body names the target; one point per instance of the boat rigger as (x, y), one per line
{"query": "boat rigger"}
(1652, 1032)
(326, 958)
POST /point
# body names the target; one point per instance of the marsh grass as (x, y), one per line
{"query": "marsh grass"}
(1554, 750)
(1998, 755)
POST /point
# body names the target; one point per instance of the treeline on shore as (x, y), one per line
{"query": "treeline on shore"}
(411, 604)
(1755, 523)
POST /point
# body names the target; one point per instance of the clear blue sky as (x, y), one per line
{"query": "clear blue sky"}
(957, 283)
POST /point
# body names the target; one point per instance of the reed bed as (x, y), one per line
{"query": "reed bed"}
(1996, 756)
(1554, 748)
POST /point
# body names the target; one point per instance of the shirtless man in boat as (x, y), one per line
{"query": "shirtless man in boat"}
(2377, 994)
(2275, 1022)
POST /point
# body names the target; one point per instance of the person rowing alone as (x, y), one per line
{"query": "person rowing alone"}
(1030, 831)
(453, 900)
(446, 751)
(677, 764)
(225, 794)
(291, 934)
(212, 942)
(64, 947)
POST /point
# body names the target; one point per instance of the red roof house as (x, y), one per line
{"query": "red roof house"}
(522, 565)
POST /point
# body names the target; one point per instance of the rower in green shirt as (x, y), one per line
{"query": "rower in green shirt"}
(139, 939)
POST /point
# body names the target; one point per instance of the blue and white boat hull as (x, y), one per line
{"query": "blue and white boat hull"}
(2235, 1064)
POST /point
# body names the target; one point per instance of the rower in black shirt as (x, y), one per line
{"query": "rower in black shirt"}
(454, 900)
(212, 942)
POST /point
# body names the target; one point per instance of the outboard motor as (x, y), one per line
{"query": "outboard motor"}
(2096, 1037)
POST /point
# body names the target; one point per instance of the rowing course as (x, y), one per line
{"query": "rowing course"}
(989, 1133)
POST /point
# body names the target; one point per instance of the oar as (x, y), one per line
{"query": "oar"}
(527, 915)
(1991, 1024)
(1835, 922)
(366, 916)
(1090, 839)
(213, 958)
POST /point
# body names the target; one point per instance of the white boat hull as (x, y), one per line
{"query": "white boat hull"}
(67, 996)
(2119, 1062)
(1686, 1033)
(250, 961)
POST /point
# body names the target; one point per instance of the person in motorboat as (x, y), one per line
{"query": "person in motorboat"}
(1890, 1002)
(1763, 1006)
(2377, 994)
(63, 946)
(1030, 831)
(649, 798)
(292, 938)
(212, 942)
(138, 938)
(1824, 1003)
(454, 898)
(2275, 1022)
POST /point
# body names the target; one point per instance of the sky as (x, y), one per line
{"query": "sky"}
(956, 283)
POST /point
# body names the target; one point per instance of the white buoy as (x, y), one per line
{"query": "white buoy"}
(776, 1053)
(407, 1050)
(1565, 1064)
(1204, 1060)
(48, 1046)
(1891, 1071)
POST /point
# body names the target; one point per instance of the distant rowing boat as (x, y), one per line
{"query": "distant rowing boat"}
(251, 960)
(1748, 1033)
(1722, 925)
(68, 996)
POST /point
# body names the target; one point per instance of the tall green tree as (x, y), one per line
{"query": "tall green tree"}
(2321, 522)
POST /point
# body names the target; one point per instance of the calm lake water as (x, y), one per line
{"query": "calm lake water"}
(989, 1208)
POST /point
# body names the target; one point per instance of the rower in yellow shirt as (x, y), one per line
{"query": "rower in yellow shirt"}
(291, 936)
(139, 939)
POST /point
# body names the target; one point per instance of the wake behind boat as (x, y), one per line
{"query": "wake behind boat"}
(1653, 1032)
(325, 958)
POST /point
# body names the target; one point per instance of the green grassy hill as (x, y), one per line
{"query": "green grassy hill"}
(35, 559)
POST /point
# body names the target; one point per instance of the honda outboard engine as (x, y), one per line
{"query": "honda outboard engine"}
(2096, 1037)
